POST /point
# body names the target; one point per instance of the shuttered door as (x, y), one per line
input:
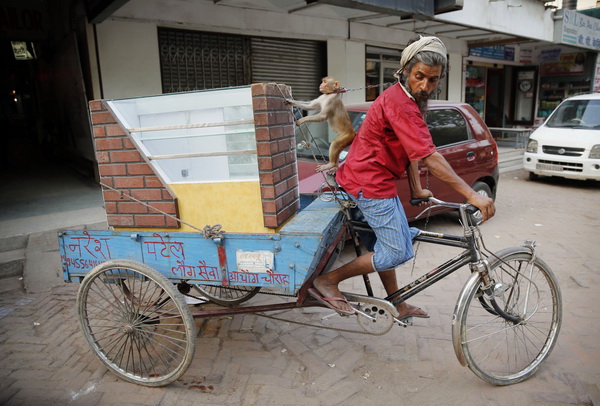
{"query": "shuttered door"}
(297, 63)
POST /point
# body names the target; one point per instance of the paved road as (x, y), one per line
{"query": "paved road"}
(250, 360)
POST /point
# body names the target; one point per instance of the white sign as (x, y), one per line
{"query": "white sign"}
(254, 261)
(20, 51)
(580, 30)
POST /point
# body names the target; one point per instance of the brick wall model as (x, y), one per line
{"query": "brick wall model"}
(276, 149)
(122, 167)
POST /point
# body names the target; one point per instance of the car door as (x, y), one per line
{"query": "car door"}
(452, 136)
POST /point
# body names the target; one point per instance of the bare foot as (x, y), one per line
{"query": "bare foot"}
(328, 289)
(407, 310)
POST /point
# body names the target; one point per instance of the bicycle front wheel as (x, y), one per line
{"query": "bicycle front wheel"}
(136, 322)
(497, 350)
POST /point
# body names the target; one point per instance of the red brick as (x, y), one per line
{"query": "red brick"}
(267, 192)
(96, 105)
(125, 156)
(167, 207)
(109, 144)
(127, 143)
(139, 169)
(269, 206)
(129, 182)
(107, 181)
(153, 182)
(102, 117)
(112, 196)
(281, 188)
(270, 221)
(292, 182)
(279, 160)
(114, 130)
(172, 223)
(258, 89)
(110, 207)
(166, 195)
(103, 157)
(99, 131)
(262, 134)
(132, 208)
(150, 220)
(112, 170)
(266, 148)
(259, 103)
(120, 220)
(147, 195)
(266, 178)
(265, 163)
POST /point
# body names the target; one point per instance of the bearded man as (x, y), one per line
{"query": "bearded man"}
(391, 140)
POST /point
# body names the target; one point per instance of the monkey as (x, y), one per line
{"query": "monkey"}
(331, 109)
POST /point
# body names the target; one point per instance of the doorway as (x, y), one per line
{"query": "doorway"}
(494, 111)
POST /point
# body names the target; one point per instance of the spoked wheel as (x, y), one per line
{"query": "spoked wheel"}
(136, 322)
(227, 296)
(504, 352)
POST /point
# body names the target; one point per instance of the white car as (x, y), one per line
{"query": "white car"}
(568, 143)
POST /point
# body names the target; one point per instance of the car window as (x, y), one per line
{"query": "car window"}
(313, 139)
(576, 114)
(447, 126)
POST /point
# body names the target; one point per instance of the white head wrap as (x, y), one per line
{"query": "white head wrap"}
(433, 44)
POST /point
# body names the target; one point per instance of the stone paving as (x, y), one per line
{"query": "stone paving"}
(252, 360)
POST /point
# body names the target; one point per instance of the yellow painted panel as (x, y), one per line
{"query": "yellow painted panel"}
(237, 206)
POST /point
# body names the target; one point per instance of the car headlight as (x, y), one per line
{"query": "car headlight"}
(595, 152)
(532, 146)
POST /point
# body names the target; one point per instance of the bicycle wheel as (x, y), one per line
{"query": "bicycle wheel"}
(229, 296)
(495, 349)
(136, 322)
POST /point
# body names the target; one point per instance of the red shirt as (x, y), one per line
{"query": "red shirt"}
(392, 135)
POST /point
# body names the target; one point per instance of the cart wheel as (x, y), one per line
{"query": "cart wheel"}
(230, 296)
(136, 322)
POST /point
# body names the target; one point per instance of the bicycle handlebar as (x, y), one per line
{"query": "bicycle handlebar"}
(469, 208)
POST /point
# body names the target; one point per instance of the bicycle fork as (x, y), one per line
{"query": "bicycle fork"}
(492, 290)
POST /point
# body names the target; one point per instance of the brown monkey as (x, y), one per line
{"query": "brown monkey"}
(331, 109)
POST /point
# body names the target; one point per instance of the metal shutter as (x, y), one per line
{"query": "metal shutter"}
(297, 63)
(195, 60)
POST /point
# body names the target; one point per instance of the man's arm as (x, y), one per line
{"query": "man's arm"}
(441, 169)
(414, 182)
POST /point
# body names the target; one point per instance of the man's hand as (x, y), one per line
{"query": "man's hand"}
(422, 194)
(484, 204)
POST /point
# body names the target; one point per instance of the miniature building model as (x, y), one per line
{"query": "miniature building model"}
(224, 156)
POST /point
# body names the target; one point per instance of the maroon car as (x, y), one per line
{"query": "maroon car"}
(457, 130)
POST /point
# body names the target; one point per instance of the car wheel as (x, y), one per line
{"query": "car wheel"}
(533, 176)
(483, 189)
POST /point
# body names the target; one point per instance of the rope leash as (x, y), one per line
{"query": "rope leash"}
(203, 231)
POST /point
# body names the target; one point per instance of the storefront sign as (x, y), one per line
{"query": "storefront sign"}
(495, 52)
(596, 87)
(579, 30)
(566, 65)
(20, 51)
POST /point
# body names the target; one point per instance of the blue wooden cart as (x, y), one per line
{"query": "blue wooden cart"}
(132, 301)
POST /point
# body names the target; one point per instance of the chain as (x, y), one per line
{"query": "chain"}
(300, 323)
(412, 270)
(385, 86)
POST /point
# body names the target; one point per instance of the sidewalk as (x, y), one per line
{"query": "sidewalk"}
(250, 360)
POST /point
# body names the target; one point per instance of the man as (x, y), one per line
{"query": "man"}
(391, 140)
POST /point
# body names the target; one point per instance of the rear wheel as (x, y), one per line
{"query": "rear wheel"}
(499, 351)
(136, 322)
